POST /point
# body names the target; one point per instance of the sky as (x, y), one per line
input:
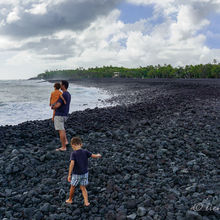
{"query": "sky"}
(36, 36)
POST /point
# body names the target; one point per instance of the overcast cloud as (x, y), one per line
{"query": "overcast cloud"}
(55, 34)
(27, 18)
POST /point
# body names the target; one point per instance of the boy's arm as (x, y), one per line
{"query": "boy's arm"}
(57, 105)
(63, 99)
(70, 170)
(96, 155)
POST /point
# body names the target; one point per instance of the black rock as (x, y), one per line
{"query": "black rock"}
(28, 213)
(45, 208)
(131, 204)
(38, 216)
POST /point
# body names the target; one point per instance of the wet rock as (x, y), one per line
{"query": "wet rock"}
(28, 213)
(110, 215)
(38, 216)
(131, 204)
(141, 211)
(45, 208)
(192, 215)
(132, 216)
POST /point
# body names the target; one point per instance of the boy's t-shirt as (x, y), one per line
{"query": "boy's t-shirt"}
(55, 95)
(81, 161)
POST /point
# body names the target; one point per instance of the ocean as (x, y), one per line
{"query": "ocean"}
(27, 100)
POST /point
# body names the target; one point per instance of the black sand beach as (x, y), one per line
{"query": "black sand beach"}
(160, 148)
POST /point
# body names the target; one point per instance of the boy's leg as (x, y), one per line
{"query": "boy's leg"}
(72, 190)
(53, 115)
(85, 195)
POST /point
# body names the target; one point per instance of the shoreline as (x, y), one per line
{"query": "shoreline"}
(160, 150)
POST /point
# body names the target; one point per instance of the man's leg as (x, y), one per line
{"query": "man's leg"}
(59, 125)
(63, 139)
(72, 190)
(66, 141)
(85, 195)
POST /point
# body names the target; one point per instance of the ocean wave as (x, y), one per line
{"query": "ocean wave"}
(2, 104)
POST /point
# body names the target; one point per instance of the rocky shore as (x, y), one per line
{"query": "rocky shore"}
(160, 148)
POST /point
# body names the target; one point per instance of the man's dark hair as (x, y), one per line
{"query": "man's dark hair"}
(65, 83)
(57, 85)
(76, 141)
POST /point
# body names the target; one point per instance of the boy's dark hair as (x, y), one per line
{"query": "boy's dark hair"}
(76, 141)
(57, 85)
(65, 83)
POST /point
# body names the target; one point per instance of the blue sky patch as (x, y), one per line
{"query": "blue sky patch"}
(212, 32)
(132, 13)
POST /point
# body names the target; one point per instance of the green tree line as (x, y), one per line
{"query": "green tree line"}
(165, 71)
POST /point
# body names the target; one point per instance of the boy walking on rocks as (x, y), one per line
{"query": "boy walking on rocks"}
(79, 169)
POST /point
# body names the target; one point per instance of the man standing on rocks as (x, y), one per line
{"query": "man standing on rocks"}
(61, 114)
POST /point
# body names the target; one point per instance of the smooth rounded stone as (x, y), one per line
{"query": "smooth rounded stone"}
(174, 191)
(8, 192)
(178, 217)
(210, 192)
(45, 208)
(141, 211)
(135, 176)
(147, 218)
(77, 212)
(29, 172)
(110, 215)
(192, 215)
(191, 188)
(132, 216)
(196, 168)
(28, 213)
(54, 217)
(151, 212)
(121, 215)
(64, 216)
(46, 197)
(127, 177)
(131, 204)
(96, 218)
(38, 216)
(43, 158)
(14, 152)
(62, 193)
(216, 200)
(170, 216)
(9, 169)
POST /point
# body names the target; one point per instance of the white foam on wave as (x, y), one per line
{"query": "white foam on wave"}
(27, 100)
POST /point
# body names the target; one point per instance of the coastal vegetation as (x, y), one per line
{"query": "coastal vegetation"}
(165, 71)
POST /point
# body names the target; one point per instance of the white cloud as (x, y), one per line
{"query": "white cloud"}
(106, 40)
(187, 24)
(13, 16)
(48, 17)
(38, 9)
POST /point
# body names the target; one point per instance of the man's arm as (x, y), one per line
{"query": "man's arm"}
(70, 169)
(57, 105)
(96, 155)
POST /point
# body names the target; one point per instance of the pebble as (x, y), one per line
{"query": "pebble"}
(141, 211)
